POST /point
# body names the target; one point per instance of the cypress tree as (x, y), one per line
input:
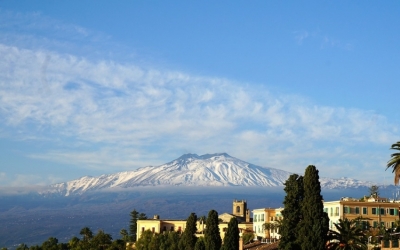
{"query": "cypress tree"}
(231, 239)
(133, 223)
(188, 239)
(314, 225)
(200, 245)
(212, 237)
(291, 213)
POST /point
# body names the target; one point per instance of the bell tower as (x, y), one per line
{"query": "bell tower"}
(239, 208)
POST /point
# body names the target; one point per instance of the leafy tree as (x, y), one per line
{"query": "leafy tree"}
(231, 239)
(117, 245)
(394, 162)
(135, 216)
(374, 191)
(169, 240)
(200, 244)
(314, 224)
(50, 244)
(188, 239)
(124, 235)
(73, 242)
(348, 236)
(247, 237)
(291, 213)
(36, 247)
(212, 237)
(22, 246)
(86, 233)
(143, 243)
(101, 240)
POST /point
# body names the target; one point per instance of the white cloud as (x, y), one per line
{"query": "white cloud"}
(120, 109)
(124, 114)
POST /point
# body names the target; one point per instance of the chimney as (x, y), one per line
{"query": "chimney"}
(156, 217)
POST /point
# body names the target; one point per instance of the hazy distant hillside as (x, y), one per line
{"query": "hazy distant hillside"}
(193, 170)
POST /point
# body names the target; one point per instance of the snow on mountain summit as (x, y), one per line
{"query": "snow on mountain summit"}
(188, 170)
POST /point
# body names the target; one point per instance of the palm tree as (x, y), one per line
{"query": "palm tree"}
(271, 226)
(348, 236)
(394, 163)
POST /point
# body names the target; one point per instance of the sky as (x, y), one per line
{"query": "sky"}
(99, 87)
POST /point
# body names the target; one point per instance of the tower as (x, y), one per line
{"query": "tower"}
(239, 208)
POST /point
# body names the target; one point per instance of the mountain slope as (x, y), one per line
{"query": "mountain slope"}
(193, 170)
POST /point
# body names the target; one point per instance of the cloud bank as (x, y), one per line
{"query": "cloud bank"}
(112, 114)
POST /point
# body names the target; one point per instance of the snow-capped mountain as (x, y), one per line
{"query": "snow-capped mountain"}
(193, 170)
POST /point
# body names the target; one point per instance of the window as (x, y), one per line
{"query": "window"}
(365, 225)
(375, 224)
(172, 228)
(357, 210)
(142, 229)
(153, 229)
(255, 218)
(179, 229)
(331, 211)
(237, 209)
(165, 228)
(346, 210)
(365, 210)
(382, 211)
(262, 217)
(337, 211)
(374, 211)
(224, 229)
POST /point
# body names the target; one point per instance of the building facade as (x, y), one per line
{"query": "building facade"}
(239, 211)
(372, 211)
(262, 216)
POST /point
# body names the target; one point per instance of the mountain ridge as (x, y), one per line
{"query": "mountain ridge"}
(209, 170)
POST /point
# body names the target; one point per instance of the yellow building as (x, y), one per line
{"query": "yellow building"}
(239, 211)
(156, 225)
(379, 211)
(266, 215)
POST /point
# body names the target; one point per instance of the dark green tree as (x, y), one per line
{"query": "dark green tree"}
(394, 162)
(314, 225)
(143, 243)
(22, 246)
(188, 238)
(212, 237)
(374, 191)
(135, 216)
(347, 236)
(124, 235)
(291, 213)
(73, 242)
(200, 244)
(231, 239)
(169, 240)
(50, 244)
(86, 233)
(101, 240)
(118, 244)
(247, 237)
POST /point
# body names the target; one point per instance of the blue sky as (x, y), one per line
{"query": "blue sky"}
(98, 87)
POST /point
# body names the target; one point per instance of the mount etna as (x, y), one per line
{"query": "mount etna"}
(191, 183)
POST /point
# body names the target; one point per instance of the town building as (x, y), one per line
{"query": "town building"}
(373, 211)
(262, 216)
(239, 211)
